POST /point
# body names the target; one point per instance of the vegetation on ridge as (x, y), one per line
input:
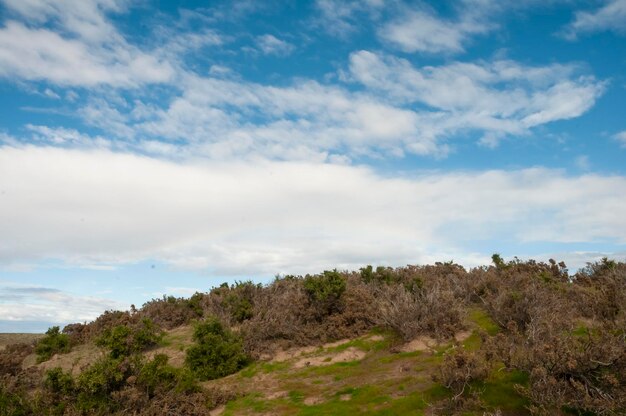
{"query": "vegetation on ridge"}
(514, 338)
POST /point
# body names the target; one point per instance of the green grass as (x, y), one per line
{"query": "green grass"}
(498, 391)
(483, 320)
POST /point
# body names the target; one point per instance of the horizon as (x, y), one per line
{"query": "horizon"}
(151, 149)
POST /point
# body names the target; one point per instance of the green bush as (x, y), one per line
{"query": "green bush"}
(380, 275)
(104, 376)
(59, 382)
(325, 290)
(158, 376)
(217, 352)
(123, 341)
(53, 343)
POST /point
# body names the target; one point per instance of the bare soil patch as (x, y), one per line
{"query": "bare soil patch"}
(349, 354)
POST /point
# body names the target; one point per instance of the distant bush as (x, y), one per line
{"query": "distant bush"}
(123, 340)
(238, 300)
(217, 351)
(379, 275)
(325, 290)
(170, 312)
(53, 343)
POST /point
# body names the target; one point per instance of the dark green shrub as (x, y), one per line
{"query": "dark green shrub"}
(217, 352)
(157, 376)
(104, 376)
(239, 300)
(53, 343)
(123, 341)
(325, 290)
(498, 261)
(380, 275)
(59, 382)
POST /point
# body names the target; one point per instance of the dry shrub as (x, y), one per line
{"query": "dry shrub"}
(278, 315)
(459, 369)
(12, 356)
(434, 311)
(586, 372)
(600, 291)
(134, 401)
(285, 314)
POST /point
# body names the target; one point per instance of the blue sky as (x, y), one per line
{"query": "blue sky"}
(151, 147)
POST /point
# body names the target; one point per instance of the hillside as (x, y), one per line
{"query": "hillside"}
(515, 338)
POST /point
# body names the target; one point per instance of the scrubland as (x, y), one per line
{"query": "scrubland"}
(512, 338)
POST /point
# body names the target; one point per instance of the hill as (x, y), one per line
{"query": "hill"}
(514, 338)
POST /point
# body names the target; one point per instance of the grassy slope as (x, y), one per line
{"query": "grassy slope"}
(382, 383)
(367, 375)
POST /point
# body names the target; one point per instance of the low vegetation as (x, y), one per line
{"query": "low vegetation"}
(514, 338)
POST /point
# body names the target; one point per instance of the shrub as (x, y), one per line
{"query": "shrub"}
(123, 341)
(239, 300)
(12, 356)
(170, 312)
(325, 290)
(59, 382)
(434, 311)
(382, 274)
(158, 377)
(459, 369)
(53, 343)
(217, 352)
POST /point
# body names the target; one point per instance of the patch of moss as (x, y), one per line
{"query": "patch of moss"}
(483, 320)
(498, 391)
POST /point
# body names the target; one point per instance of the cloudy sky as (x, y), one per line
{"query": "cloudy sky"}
(151, 147)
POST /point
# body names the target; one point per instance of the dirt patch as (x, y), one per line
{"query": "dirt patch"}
(217, 411)
(291, 353)
(421, 343)
(312, 401)
(349, 354)
(176, 342)
(345, 397)
(462, 336)
(276, 395)
(336, 343)
(374, 338)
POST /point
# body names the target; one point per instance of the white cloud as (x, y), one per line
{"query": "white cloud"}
(35, 303)
(83, 18)
(420, 30)
(610, 17)
(41, 54)
(271, 45)
(72, 43)
(261, 218)
(500, 97)
(338, 17)
(621, 138)
(400, 109)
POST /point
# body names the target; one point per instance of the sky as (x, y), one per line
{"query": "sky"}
(164, 147)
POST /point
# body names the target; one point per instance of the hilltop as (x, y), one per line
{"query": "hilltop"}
(512, 338)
